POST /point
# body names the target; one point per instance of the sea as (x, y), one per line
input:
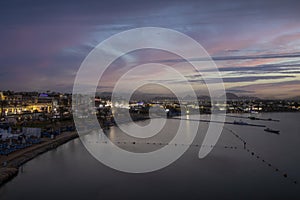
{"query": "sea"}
(266, 166)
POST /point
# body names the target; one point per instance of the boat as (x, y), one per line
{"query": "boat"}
(272, 131)
(253, 118)
(240, 122)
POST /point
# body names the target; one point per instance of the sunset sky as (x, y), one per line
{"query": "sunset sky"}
(255, 44)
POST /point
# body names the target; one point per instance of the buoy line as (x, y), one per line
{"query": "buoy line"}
(268, 164)
(245, 147)
(164, 144)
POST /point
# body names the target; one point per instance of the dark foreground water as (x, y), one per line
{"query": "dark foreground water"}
(69, 172)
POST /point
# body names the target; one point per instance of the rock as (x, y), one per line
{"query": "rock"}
(7, 173)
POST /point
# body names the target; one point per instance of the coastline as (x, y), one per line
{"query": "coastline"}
(16, 159)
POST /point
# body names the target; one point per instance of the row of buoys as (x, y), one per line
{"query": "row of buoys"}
(230, 147)
(175, 144)
(258, 157)
(237, 136)
(270, 165)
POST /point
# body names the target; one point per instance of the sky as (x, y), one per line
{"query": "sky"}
(255, 44)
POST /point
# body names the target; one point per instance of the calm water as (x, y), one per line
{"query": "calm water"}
(70, 172)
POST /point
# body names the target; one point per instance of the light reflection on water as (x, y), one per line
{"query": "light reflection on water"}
(70, 172)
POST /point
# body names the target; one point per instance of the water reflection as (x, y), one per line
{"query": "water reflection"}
(70, 172)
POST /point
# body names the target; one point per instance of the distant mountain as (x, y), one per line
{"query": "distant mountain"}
(249, 98)
(232, 96)
(203, 97)
(138, 95)
(295, 98)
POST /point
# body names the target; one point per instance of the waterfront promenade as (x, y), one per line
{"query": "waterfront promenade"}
(10, 163)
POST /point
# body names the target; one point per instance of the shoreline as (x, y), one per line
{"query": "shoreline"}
(17, 159)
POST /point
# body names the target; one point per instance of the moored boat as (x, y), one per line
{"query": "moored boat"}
(240, 122)
(272, 131)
